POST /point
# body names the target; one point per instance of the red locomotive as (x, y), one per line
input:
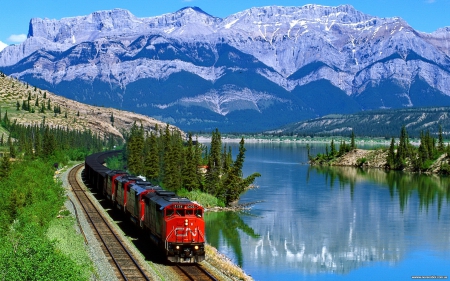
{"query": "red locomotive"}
(173, 223)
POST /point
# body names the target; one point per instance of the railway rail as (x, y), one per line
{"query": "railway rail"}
(194, 272)
(122, 261)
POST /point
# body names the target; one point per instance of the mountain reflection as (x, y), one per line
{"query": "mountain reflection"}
(335, 220)
(430, 189)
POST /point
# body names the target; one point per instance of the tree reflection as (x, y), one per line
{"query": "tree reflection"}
(431, 189)
(227, 224)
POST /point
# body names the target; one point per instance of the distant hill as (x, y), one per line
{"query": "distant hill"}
(375, 123)
(74, 115)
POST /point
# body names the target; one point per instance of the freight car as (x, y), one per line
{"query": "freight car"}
(172, 223)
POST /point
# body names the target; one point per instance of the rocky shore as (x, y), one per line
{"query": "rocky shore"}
(377, 159)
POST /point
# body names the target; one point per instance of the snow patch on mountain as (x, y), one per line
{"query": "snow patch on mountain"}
(122, 73)
(2, 45)
(228, 99)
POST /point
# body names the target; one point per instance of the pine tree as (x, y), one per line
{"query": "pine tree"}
(6, 120)
(402, 150)
(135, 145)
(214, 171)
(391, 155)
(12, 149)
(151, 167)
(5, 166)
(352, 143)
(441, 146)
(48, 143)
(190, 170)
(234, 184)
(37, 143)
(333, 149)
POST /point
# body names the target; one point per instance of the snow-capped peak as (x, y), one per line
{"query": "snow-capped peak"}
(2, 46)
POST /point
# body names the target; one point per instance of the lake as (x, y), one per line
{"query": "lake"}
(337, 223)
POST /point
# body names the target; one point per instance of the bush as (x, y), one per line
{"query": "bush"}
(361, 161)
(115, 163)
(445, 169)
(427, 164)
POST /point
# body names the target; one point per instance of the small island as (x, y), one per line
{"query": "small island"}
(430, 155)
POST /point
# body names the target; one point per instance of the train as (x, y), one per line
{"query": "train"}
(172, 223)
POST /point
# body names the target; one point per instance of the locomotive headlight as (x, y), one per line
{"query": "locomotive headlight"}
(177, 247)
(186, 222)
(196, 247)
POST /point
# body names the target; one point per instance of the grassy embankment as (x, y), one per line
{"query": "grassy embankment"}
(37, 236)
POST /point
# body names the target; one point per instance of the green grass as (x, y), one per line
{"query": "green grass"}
(204, 199)
(70, 243)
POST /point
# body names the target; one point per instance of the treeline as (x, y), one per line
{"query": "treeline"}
(402, 155)
(419, 158)
(331, 152)
(42, 141)
(164, 158)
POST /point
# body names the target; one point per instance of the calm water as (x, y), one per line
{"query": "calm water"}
(335, 223)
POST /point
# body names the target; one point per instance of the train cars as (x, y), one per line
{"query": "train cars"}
(173, 223)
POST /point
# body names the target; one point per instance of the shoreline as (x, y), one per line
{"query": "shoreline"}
(205, 139)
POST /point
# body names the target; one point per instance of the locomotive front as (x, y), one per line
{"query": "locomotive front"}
(185, 231)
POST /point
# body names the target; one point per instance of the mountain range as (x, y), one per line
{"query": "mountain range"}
(254, 70)
(374, 123)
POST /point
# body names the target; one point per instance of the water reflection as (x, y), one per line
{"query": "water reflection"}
(332, 219)
(430, 189)
(226, 225)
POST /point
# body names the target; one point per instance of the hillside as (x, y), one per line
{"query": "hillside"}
(79, 116)
(375, 123)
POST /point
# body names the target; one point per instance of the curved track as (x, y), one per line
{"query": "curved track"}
(125, 266)
(194, 272)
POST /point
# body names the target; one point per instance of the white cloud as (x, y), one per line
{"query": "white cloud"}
(17, 38)
(2, 46)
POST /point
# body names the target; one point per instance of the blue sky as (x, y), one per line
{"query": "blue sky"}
(423, 15)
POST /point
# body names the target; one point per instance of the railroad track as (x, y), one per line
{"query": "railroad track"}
(122, 261)
(193, 272)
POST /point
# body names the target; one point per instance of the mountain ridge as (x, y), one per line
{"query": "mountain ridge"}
(374, 61)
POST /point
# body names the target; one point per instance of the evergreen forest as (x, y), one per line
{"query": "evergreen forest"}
(401, 155)
(164, 158)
